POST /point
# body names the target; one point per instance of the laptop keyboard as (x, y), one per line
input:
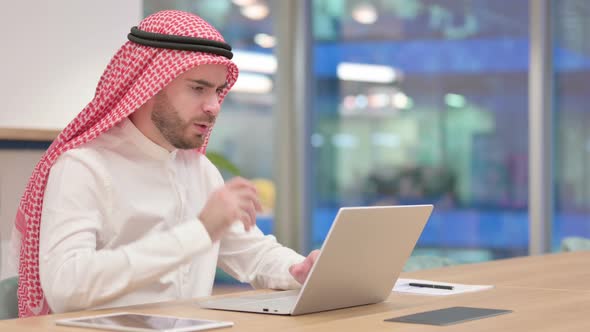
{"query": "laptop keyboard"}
(282, 298)
(271, 296)
(288, 301)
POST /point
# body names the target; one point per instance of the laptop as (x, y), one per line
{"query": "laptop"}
(361, 258)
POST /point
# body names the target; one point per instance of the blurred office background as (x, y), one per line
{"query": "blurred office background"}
(372, 102)
(414, 101)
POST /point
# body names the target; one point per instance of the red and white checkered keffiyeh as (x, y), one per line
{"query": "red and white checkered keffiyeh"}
(134, 75)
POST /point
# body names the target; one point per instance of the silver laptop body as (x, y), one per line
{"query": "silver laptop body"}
(361, 258)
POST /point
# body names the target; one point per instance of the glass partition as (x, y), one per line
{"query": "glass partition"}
(571, 62)
(415, 101)
(425, 102)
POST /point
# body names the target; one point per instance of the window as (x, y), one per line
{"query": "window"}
(425, 102)
(571, 62)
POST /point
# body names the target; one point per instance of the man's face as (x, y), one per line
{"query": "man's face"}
(186, 109)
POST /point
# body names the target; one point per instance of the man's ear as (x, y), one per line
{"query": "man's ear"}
(143, 113)
(149, 104)
(146, 108)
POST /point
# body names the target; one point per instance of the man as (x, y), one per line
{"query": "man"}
(124, 208)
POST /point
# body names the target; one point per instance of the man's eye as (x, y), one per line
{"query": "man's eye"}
(198, 88)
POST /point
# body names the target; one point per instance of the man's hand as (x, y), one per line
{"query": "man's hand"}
(237, 200)
(300, 271)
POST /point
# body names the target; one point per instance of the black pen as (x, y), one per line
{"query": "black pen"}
(415, 284)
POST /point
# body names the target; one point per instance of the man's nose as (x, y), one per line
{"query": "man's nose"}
(212, 105)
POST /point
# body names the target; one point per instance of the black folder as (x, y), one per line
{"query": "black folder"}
(448, 316)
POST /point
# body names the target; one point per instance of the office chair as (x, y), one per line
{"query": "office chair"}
(8, 298)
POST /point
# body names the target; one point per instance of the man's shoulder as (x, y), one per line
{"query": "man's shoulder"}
(84, 154)
(92, 152)
(94, 146)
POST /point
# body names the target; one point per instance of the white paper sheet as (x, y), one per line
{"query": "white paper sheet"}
(402, 286)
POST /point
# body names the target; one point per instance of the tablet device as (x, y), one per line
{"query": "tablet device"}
(448, 316)
(124, 321)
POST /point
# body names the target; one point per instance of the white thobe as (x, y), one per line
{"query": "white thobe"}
(119, 227)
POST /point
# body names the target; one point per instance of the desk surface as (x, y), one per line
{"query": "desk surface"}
(564, 271)
(541, 307)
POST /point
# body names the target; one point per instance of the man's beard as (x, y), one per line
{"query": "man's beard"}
(165, 117)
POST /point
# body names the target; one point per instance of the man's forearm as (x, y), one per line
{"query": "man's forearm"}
(80, 277)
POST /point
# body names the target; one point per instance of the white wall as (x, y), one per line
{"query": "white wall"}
(52, 55)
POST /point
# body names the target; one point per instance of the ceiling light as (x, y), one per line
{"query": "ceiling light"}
(264, 40)
(361, 72)
(242, 3)
(253, 83)
(365, 13)
(255, 12)
(255, 62)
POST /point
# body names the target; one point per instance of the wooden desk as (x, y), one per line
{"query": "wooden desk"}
(544, 308)
(566, 271)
